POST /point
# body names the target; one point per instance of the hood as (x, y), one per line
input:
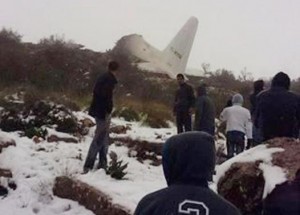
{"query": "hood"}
(237, 99)
(189, 158)
(258, 86)
(281, 80)
(201, 90)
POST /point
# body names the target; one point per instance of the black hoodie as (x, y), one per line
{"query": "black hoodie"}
(278, 110)
(188, 161)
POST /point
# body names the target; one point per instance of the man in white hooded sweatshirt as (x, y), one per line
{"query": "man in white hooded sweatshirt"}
(238, 125)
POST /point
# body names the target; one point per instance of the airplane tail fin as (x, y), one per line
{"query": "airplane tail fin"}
(177, 52)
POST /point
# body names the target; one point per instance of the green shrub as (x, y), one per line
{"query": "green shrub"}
(128, 114)
(116, 168)
(35, 131)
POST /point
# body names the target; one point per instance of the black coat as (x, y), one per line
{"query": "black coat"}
(284, 199)
(278, 113)
(188, 161)
(102, 102)
(204, 115)
(184, 98)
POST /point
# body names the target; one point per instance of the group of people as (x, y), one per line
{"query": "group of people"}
(273, 113)
(188, 158)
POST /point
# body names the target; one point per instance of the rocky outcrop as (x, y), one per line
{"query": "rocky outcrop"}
(141, 149)
(5, 142)
(55, 138)
(246, 181)
(6, 173)
(89, 197)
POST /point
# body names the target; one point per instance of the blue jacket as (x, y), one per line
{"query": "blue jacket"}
(188, 162)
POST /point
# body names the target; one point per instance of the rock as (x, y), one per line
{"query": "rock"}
(119, 129)
(3, 191)
(243, 186)
(143, 150)
(5, 173)
(54, 138)
(5, 141)
(87, 122)
(89, 197)
(247, 181)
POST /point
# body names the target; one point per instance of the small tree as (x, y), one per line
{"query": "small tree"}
(116, 168)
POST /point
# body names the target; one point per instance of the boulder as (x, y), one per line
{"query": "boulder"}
(5, 141)
(6, 173)
(141, 149)
(248, 178)
(55, 138)
(119, 129)
(91, 198)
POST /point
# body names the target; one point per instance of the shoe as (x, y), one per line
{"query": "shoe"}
(85, 171)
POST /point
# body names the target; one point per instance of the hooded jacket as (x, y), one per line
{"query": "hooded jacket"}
(284, 199)
(188, 161)
(278, 110)
(204, 112)
(237, 118)
(258, 86)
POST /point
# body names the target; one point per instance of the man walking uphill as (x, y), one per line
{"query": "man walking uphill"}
(184, 102)
(100, 109)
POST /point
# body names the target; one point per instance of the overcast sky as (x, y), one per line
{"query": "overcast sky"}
(262, 36)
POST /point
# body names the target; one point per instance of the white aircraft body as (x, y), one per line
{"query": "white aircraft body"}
(173, 59)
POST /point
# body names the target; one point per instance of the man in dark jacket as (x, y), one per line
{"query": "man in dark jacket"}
(188, 163)
(101, 108)
(204, 112)
(278, 110)
(284, 199)
(258, 86)
(183, 105)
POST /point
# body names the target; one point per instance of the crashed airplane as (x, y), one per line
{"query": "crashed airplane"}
(172, 60)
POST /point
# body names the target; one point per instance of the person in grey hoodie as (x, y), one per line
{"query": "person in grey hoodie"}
(238, 124)
(188, 163)
(204, 112)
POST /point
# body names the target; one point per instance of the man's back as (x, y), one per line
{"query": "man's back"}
(278, 113)
(284, 199)
(186, 199)
(237, 119)
(204, 114)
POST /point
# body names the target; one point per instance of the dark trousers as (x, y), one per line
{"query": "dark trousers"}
(183, 121)
(99, 145)
(235, 143)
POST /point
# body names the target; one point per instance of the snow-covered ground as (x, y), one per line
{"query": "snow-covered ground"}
(35, 166)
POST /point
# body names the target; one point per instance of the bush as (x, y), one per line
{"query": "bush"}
(127, 114)
(35, 131)
(116, 168)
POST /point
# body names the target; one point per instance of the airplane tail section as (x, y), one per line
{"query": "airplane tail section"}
(176, 54)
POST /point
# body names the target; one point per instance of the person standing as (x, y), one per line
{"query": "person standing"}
(238, 125)
(100, 109)
(278, 110)
(183, 105)
(188, 160)
(258, 86)
(204, 112)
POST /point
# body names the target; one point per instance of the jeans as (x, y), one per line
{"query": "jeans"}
(99, 145)
(183, 121)
(235, 143)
